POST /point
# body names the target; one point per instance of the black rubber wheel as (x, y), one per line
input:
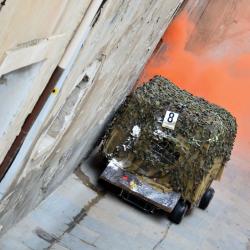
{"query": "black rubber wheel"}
(178, 213)
(206, 198)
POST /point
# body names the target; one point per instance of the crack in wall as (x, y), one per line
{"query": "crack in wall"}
(98, 13)
(2, 4)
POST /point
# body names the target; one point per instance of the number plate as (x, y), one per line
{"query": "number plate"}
(170, 120)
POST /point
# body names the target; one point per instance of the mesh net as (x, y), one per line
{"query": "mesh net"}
(171, 139)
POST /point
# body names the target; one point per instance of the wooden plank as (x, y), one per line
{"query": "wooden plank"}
(28, 53)
(28, 20)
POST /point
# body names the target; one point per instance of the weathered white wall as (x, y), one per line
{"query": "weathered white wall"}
(32, 32)
(118, 46)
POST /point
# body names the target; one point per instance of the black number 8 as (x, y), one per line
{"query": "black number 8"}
(170, 117)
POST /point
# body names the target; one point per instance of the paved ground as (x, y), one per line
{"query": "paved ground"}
(77, 216)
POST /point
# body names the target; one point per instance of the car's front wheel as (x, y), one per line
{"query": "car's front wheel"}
(178, 212)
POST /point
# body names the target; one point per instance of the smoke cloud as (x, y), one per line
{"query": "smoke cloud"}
(222, 78)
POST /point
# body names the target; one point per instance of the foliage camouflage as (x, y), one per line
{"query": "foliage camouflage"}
(179, 159)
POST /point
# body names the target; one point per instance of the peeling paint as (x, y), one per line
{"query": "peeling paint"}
(86, 105)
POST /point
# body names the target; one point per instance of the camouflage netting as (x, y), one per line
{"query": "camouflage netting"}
(185, 159)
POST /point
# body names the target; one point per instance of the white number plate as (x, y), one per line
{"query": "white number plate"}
(170, 120)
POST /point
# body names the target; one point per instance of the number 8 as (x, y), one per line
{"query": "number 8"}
(170, 117)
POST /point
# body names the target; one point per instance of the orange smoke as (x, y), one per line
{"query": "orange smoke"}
(221, 79)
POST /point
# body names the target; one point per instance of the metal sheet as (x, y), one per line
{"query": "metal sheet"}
(129, 182)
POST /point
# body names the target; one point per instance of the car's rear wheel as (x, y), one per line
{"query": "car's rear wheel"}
(206, 198)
